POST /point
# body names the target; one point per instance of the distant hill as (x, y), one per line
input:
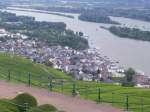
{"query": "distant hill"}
(105, 1)
(117, 1)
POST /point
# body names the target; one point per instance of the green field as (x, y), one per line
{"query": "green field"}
(17, 69)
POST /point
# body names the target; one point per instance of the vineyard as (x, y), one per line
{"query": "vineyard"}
(22, 70)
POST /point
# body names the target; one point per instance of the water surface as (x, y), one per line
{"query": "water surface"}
(130, 53)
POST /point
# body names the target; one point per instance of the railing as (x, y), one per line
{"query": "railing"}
(127, 101)
(24, 107)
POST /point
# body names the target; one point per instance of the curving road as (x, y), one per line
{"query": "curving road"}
(62, 102)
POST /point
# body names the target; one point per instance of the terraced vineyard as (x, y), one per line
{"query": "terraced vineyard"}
(18, 69)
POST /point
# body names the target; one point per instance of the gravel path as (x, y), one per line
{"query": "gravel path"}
(62, 102)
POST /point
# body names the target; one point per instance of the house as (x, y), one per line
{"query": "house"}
(140, 78)
(3, 33)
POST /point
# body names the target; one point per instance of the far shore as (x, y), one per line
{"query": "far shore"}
(42, 11)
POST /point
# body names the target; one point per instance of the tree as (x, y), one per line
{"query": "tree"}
(129, 78)
(129, 75)
(81, 34)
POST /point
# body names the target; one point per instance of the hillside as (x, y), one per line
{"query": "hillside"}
(20, 67)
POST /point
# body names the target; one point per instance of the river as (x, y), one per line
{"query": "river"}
(129, 53)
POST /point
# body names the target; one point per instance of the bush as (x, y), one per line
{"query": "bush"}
(35, 110)
(44, 108)
(7, 107)
(48, 108)
(128, 84)
(25, 98)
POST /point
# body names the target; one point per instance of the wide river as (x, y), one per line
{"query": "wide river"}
(130, 53)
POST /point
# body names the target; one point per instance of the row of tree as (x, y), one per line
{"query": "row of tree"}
(132, 33)
(94, 16)
(128, 13)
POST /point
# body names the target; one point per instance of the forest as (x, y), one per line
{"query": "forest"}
(93, 16)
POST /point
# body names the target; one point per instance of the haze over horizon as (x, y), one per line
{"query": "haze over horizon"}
(129, 1)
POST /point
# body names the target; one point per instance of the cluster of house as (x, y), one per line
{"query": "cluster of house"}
(141, 80)
(86, 65)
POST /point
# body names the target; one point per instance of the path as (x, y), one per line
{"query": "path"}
(62, 102)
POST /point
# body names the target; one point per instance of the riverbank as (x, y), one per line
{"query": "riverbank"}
(97, 18)
(128, 52)
(40, 11)
(131, 33)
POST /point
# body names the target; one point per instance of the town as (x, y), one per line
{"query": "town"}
(74, 56)
(87, 65)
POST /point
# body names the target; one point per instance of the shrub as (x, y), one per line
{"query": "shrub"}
(48, 108)
(5, 106)
(44, 108)
(25, 98)
(128, 84)
(35, 110)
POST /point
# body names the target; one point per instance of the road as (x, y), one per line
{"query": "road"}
(62, 102)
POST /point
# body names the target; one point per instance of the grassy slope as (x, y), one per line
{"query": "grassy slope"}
(7, 106)
(20, 67)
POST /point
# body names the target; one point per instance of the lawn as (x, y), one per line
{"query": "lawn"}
(15, 68)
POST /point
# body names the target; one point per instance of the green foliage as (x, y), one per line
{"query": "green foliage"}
(25, 98)
(5, 110)
(35, 110)
(52, 33)
(131, 13)
(16, 104)
(131, 33)
(129, 74)
(10, 17)
(44, 108)
(94, 16)
(7, 106)
(100, 12)
(128, 82)
(20, 66)
(48, 108)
